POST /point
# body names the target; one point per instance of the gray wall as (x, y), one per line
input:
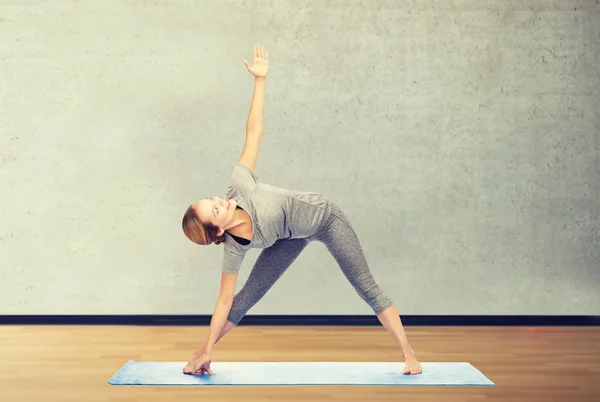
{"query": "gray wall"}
(460, 137)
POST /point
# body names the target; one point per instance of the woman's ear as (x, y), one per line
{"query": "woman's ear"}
(220, 232)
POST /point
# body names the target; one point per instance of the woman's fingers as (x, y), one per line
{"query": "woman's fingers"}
(202, 371)
(259, 52)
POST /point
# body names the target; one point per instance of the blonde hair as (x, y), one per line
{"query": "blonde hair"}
(198, 232)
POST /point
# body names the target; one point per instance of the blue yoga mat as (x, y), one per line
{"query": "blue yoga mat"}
(299, 373)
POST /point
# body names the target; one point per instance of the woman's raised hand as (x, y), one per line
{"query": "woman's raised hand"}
(261, 62)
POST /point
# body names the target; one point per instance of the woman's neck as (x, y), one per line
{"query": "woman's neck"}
(242, 225)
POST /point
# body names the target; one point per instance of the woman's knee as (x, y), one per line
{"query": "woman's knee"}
(375, 297)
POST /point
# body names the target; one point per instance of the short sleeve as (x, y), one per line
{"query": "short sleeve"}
(232, 261)
(242, 182)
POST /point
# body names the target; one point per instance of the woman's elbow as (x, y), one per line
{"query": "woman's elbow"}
(226, 300)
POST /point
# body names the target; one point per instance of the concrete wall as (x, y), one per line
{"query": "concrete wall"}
(460, 137)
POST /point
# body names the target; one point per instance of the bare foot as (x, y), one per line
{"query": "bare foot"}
(412, 366)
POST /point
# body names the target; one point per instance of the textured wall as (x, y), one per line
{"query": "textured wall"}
(460, 137)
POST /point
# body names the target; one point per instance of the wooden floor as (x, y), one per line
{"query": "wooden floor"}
(74, 363)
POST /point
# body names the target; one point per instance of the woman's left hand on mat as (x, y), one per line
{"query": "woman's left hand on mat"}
(199, 366)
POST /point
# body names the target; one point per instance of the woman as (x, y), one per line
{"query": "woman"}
(281, 222)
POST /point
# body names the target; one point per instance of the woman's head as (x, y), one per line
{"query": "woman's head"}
(206, 221)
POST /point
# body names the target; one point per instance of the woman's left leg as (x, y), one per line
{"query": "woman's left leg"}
(342, 242)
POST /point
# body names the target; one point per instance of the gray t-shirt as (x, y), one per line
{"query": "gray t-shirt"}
(276, 214)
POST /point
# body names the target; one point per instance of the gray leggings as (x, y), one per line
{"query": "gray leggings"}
(342, 242)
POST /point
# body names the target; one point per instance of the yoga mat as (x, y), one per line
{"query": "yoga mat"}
(300, 373)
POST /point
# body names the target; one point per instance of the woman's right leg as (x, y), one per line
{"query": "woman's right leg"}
(342, 242)
(270, 265)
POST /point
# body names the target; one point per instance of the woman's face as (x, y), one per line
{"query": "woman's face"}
(216, 211)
